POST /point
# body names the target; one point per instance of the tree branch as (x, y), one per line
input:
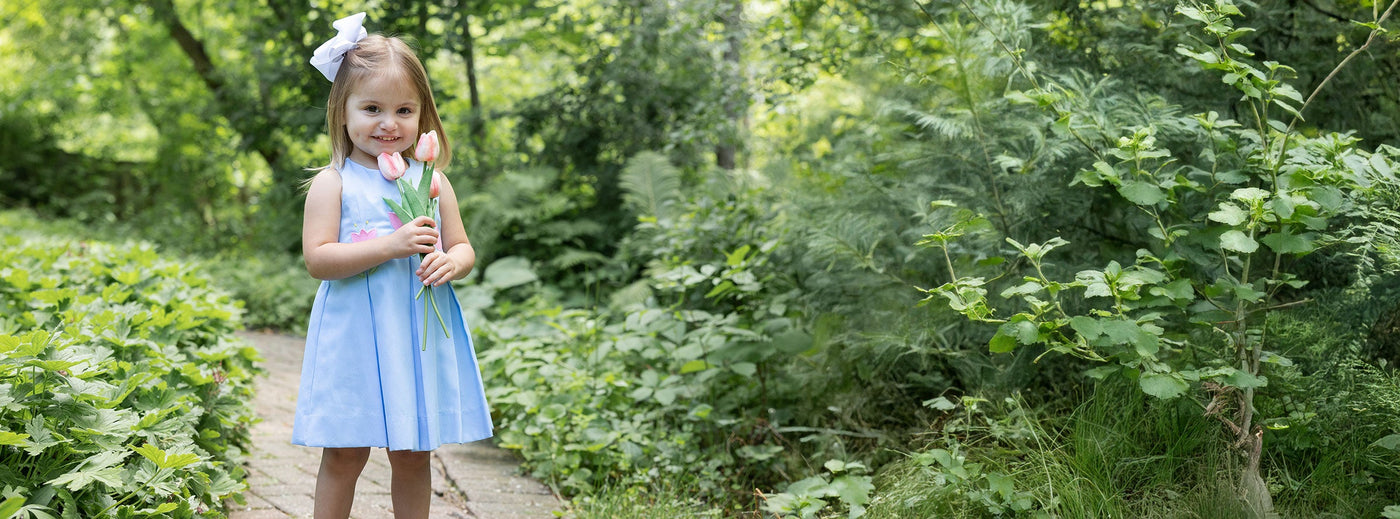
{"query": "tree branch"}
(259, 139)
(193, 48)
(1325, 12)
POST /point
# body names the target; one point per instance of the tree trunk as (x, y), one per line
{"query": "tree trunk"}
(1252, 488)
(477, 125)
(257, 127)
(734, 94)
(230, 103)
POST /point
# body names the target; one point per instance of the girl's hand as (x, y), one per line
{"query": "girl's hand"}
(415, 237)
(437, 268)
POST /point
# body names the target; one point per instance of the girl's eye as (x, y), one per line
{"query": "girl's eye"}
(372, 109)
(405, 111)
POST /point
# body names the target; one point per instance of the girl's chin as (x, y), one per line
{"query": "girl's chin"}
(375, 151)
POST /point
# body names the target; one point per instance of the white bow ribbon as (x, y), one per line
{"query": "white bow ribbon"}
(330, 54)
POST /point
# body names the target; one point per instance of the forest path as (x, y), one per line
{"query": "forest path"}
(475, 480)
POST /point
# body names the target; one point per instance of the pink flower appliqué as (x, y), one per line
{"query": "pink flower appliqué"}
(394, 220)
(359, 236)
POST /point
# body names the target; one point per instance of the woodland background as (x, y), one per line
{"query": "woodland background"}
(810, 258)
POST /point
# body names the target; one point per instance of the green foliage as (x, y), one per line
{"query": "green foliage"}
(1261, 194)
(807, 498)
(122, 389)
(524, 213)
(274, 290)
(621, 396)
(660, 500)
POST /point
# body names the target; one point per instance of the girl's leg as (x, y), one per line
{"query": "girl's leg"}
(335, 485)
(412, 485)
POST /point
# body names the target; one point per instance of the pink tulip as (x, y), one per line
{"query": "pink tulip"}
(392, 166)
(427, 148)
(434, 188)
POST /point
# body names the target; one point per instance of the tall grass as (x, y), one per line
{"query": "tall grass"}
(663, 500)
(1119, 454)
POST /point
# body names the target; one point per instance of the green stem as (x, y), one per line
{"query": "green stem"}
(433, 298)
(132, 494)
(1369, 38)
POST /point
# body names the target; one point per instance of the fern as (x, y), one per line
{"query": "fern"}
(572, 257)
(649, 182)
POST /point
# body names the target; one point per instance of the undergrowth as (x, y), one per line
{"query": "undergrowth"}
(122, 388)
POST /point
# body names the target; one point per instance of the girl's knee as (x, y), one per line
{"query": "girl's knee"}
(399, 460)
(345, 460)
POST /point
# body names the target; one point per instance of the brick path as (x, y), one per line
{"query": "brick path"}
(476, 480)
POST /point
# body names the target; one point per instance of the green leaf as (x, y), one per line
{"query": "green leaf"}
(854, 491)
(553, 412)
(404, 215)
(1249, 195)
(164, 460)
(1283, 242)
(1162, 385)
(1087, 327)
(1229, 214)
(425, 188)
(666, 396)
(1238, 242)
(746, 369)
(1002, 343)
(940, 403)
(736, 257)
(649, 181)
(12, 438)
(1244, 380)
(10, 506)
(100, 468)
(1141, 192)
(162, 509)
(1102, 372)
(1391, 442)
(792, 342)
(1002, 484)
(1179, 290)
(1128, 332)
(695, 365)
(1027, 288)
(1026, 332)
(507, 272)
(412, 203)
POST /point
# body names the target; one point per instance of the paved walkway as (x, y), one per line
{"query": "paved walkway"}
(476, 480)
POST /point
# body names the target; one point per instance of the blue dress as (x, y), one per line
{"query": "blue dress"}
(365, 379)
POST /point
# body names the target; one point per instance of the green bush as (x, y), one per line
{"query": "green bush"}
(122, 389)
(275, 290)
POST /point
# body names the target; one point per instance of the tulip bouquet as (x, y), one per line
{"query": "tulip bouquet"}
(415, 201)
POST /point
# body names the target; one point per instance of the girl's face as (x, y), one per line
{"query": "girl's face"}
(381, 116)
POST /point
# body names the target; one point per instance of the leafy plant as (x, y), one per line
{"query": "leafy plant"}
(273, 290)
(1223, 225)
(122, 389)
(808, 497)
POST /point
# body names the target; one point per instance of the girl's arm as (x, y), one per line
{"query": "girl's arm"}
(328, 259)
(457, 257)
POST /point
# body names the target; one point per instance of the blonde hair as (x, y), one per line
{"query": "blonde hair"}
(376, 56)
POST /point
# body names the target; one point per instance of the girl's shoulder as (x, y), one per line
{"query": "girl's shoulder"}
(325, 179)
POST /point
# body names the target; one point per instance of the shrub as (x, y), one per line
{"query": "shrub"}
(122, 389)
(275, 290)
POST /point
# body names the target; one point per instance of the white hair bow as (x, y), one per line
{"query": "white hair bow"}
(330, 54)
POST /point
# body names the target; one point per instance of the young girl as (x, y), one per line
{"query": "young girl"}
(365, 380)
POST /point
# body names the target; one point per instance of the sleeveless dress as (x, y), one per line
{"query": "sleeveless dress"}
(365, 379)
